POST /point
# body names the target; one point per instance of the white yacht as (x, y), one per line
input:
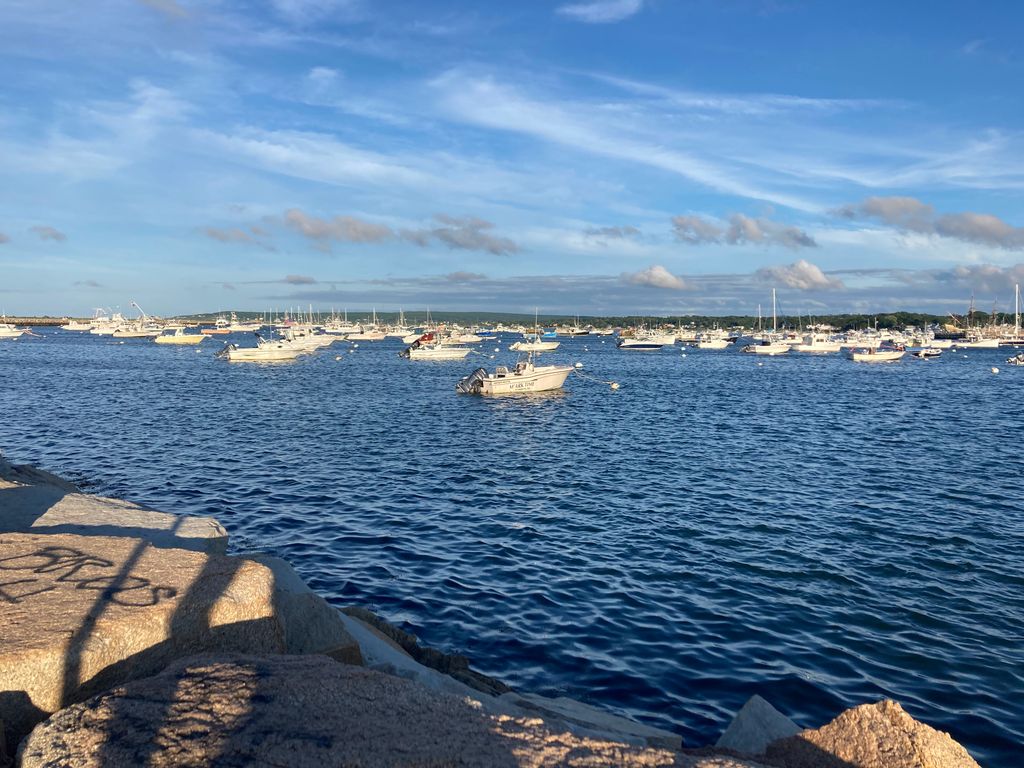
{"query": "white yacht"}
(525, 377)
(770, 344)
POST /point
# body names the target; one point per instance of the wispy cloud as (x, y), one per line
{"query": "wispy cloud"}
(87, 284)
(237, 235)
(167, 7)
(597, 130)
(655, 276)
(464, 277)
(912, 215)
(740, 230)
(299, 280)
(612, 233)
(601, 11)
(49, 233)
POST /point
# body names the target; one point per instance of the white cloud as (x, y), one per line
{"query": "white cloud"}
(601, 11)
(801, 275)
(655, 276)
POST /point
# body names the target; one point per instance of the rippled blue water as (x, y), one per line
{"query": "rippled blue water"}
(817, 531)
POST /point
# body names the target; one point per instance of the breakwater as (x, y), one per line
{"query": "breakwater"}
(131, 638)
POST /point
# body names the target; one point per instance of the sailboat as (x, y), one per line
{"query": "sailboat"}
(369, 333)
(770, 344)
(1017, 339)
(535, 343)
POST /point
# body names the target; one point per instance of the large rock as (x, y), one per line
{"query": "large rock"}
(35, 501)
(82, 613)
(755, 726)
(311, 624)
(389, 649)
(877, 735)
(583, 718)
(305, 711)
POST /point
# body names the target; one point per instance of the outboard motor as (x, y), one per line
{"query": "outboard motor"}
(472, 384)
(225, 350)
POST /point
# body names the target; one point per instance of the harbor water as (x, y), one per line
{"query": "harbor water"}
(819, 532)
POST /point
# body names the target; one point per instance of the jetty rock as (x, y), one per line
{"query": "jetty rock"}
(755, 726)
(879, 735)
(35, 501)
(84, 613)
(238, 710)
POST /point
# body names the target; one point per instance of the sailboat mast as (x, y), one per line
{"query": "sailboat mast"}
(1016, 311)
(775, 322)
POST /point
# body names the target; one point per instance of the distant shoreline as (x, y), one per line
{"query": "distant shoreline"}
(838, 321)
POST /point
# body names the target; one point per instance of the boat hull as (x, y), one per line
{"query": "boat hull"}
(544, 379)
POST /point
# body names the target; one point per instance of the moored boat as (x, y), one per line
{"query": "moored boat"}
(879, 355)
(524, 378)
(179, 337)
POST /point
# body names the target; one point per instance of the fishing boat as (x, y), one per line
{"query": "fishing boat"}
(179, 337)
(879, 355)
(1017, 359)
(76, 325)
(925, 353)
(524, 378)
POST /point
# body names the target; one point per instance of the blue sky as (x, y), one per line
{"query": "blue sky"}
(653, 156)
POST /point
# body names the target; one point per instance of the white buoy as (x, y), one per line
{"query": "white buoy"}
(498, 349)
(615, 384)
(337, 357)
(579, 365)
(760, 364)
(355, 345)
(684, 354)
(351, 351)
(995, 370)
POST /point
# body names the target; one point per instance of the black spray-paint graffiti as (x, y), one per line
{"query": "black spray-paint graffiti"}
(79, 570)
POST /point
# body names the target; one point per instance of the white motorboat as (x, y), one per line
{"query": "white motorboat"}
(977, 342)
(647, 341)
(926, 352)
(179, 337)
(768, 346)
(243, 326)
(877, 355)
(816, 344)
(535, 345)
(76, 325)
(1017, 359)
(430, 346)
(712, 342)
(524, 378)
(265, 351)
(9, 330)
